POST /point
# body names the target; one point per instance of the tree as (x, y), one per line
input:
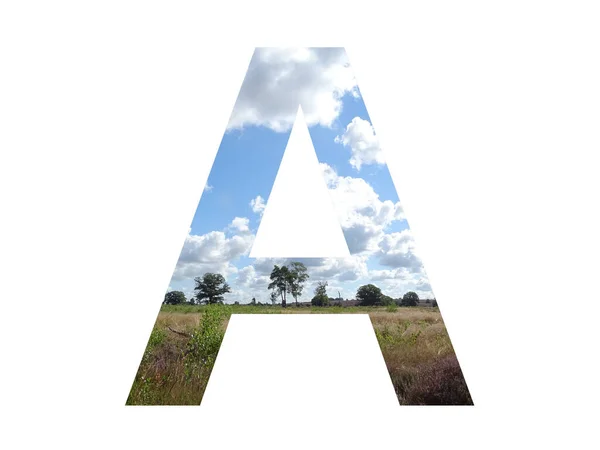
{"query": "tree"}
(174, 298)
(253, 301)
(211, 288)
(297, 276)
(386, 300)
(280, 277)
(410, 299)
(434, 303)
(288, 280)
(273, 297)
(369, 295)
(320, 298)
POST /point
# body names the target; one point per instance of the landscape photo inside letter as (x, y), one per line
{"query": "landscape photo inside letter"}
(290, 96)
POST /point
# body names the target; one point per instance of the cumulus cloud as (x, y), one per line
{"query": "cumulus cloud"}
(246, 275)
(397, 282)
(364, 145)
(239, 225)
(401, 274)
(281, 79)
(208, 188)
(399, 212)
(264, 266)
(250, 278)
(341, 269)
(214, 251)
(398, 290)
(398, 250)
(350, 268)
(341, 273)
(362, 214)
(364, 218)
(250, 283)
(258, 204)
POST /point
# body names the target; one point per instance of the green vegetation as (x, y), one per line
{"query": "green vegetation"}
(180, 356)
(369, 295)
(204, 343)
(186, 338)
(320, 298)
(174, 298)
(297, 277)
(288, 280)
(386, 300)
(392, 307)
(410, 299)
(211, 288)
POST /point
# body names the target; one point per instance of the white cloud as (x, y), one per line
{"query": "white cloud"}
(364, 145)
(383, 275)
(346, 269)
(248, 284)
(239, 225)
(263, 266)
(208, 188)
(399, 212)
(397, 282)
(342, 274)
(248, 277)
(258, 204)
(398, 250)
(401, 275)
(278, 80)
(363, 216)
(253, 280)
(214, 251)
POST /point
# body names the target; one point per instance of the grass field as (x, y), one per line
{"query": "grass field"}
(185, 341)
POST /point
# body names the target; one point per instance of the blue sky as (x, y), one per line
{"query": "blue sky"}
(248, 161)
(245, 167)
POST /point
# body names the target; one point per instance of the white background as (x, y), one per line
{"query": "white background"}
(300, 204)
(301, 386)
(110, 117)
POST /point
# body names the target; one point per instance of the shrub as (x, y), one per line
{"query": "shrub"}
(156, 338)
(440, 382)
(205, 342)
(410, 299)
(174, 298)
(321, 298)
(386, 300)
(369, 295)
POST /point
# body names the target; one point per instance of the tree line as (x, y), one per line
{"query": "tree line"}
(286, 280)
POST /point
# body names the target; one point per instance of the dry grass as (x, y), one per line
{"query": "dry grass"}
(181, 321)
(414, 342)
(175, 369)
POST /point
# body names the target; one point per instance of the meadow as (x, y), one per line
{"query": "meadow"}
(185, 341)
